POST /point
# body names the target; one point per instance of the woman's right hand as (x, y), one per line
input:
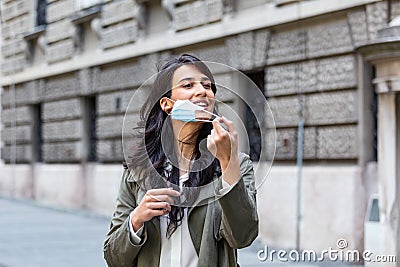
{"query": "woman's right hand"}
(156, 202)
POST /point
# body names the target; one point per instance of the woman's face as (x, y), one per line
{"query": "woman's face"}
(189, 83)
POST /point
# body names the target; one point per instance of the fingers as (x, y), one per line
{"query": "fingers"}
(222, 142)
(211, 144)
(164, 191)
(161, 194)
(156, 202)
(158, 198)
(159, 206)
(231, 127)
(217, 127)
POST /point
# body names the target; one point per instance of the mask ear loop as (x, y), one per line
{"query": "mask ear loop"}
(206, 111)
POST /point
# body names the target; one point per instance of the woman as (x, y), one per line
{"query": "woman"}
(161, 217)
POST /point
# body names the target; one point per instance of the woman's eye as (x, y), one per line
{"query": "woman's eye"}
(206, 85)
(187, 85)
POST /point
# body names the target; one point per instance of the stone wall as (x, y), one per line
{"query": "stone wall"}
(303, 65)
(18, 17)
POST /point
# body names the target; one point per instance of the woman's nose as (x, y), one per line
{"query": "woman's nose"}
(200, 90)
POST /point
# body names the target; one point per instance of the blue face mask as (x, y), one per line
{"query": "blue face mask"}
(184, 110)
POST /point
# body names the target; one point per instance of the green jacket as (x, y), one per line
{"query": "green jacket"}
(217, 229)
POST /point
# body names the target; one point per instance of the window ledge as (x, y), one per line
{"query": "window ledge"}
(35, 33)
(280, 3)
(86, 15)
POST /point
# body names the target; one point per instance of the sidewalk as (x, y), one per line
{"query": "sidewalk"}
(36, 236)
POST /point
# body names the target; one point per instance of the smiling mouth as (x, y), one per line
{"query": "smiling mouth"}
(203, 104)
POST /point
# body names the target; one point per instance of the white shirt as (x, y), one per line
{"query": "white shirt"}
(178, 250)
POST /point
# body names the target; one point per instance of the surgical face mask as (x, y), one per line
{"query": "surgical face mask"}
(186, 111)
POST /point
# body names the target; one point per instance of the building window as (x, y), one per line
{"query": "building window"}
(83, 4)
(251, 123)
(37, 133)
(41, 12)
(89, 126)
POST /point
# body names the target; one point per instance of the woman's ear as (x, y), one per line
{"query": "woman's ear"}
(166, 105)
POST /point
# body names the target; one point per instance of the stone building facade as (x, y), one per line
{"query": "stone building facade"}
(68, 79)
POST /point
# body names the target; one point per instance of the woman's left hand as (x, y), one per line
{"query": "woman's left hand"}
(223, 144)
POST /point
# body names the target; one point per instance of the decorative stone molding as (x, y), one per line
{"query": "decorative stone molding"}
(387, 84)
(96, 27)
(169, 6)
(86, 15)
(32, 38)
(35, 33)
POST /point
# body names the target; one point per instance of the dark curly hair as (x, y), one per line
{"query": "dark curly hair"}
(149, 155)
